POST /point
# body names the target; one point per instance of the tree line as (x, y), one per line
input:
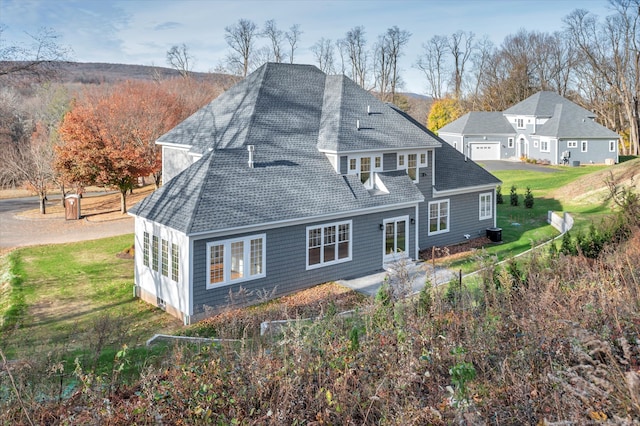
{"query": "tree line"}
(52, 134)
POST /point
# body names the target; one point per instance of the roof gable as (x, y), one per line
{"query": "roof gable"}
(569, 123)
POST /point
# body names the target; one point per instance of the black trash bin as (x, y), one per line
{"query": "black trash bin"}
(494, 234)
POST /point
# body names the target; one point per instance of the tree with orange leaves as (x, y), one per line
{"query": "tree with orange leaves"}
(102, 143)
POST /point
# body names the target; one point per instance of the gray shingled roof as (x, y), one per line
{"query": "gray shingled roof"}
(480, 123)
(278, 109)
(346, 105)
(543, 104)
(569, 123)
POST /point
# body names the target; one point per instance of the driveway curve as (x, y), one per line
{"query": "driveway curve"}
(19, 231)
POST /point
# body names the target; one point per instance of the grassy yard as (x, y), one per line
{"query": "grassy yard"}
(76, 297)
(523, 228)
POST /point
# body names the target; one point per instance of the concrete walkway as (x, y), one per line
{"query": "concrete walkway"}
(417, 274)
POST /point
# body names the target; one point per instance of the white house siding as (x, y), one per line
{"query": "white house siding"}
(151, 285)
(174, 160)
(286, 270)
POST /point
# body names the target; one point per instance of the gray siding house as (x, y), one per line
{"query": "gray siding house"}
(292, 178)
(545, 126)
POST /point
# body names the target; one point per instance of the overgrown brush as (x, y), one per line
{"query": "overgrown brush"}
(542, 340)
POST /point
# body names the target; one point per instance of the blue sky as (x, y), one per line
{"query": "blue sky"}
(141, 31)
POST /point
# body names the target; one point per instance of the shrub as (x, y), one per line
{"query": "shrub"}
(513, 196)
(528, 198)
(499, 199)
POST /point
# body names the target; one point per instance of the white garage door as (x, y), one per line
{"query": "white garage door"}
(485, 151)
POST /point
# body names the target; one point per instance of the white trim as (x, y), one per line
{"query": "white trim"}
(439, 231)
(548, 144)
(301, 221)
(467, 190)
(417, 229)
(322, 227)
(613, 146)
(490, 214)
(174, 145)
(385, 150)
(407, 232)
(226, 260)
(584, 146)
(572, 144)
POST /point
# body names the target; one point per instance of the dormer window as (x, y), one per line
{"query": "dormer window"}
(401, 161)
(520, 123)
(412, 166)
(365, 169)
(352, 165)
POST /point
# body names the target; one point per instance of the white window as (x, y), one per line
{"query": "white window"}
(584, 146)
(510, 143)
(154, 252)
(145, 249)
(352, 164)
(535, 143)
(401, 161)
(175, 262)
(165, 257)
(544, 146)
(520, 123)
(572, 144)
(378, 162)
(236, 260)
(486, 206)
(365, 169)
(412, 166)
(612, 146)
(438, 217)
(423, 159)
(328, 244)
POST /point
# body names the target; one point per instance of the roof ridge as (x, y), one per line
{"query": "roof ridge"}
(206, 164)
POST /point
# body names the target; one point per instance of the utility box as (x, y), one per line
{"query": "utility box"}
(494, 234)
(72, 207)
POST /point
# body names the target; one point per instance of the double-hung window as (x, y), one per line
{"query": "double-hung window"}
(145, 249)
(175, 262)
(584, 145)
(328, 244)
(544, 145)
(510, 143)
(154, 252)
(164, 258)
(520, 123)
(438, 217)
(486, 206)
(612, 146)
(236, 260)
(412, 166)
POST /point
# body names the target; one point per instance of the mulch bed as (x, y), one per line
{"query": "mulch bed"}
(455, 250)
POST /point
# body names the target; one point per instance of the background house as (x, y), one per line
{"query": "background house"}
(545, 127)
(293, 178)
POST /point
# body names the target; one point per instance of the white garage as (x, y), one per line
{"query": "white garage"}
(485, 151)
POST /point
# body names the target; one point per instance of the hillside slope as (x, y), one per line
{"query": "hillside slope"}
(592, 188)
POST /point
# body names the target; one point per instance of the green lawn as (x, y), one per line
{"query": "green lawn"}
(76, 297)
(521, 227)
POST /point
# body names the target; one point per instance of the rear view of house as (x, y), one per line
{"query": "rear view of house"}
(293, 178)
(545, 127)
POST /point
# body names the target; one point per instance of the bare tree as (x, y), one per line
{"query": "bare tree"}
(240, 38)
(178, 58)
(323, 51)
(433, 64)
(483, 51)
(38, 59)
(382, 66)
(611, 49)
(293, 37)
(355, 46)
(396, 40)
(461, 48)
(341, 44)
(276, 38)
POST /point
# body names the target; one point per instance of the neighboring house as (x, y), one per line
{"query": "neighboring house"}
(544, 127)
(292, 178)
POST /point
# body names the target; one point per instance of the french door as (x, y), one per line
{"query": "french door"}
(396, 238)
